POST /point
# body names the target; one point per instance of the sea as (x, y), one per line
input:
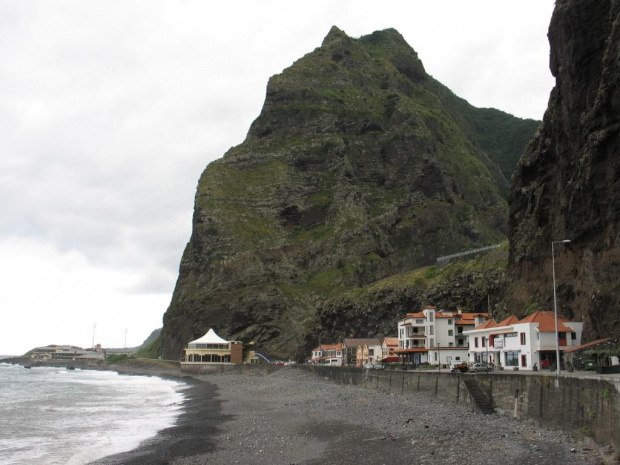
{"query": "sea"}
(59, 416)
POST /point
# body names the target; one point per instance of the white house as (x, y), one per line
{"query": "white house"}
(328, 354)
(433, 336)
(523, 343)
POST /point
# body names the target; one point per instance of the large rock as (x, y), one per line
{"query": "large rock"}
(567, 185)
(359, 166)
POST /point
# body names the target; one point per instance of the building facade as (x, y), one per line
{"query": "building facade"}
(436, 337)
(212, 349)
(529, 343)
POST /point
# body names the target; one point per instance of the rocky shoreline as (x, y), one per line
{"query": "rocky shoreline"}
(288, 416)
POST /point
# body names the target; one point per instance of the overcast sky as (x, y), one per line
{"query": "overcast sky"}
(110, 110)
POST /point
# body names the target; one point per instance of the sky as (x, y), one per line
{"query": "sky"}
(110, 110)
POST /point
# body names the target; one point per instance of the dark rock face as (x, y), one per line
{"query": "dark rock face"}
(567, 184)
(359, 166)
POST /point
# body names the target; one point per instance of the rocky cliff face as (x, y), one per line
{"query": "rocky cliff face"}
(567, 185)
(359, 166)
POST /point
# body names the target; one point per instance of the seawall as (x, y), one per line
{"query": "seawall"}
(585, 406)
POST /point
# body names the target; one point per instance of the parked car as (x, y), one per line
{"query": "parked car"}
(476, 367)
(374, 366)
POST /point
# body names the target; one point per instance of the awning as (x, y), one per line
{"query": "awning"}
(210, 338)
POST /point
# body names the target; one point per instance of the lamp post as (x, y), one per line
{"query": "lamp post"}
(555, 311)
(439, 356)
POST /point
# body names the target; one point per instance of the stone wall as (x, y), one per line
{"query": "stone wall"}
(583, 406)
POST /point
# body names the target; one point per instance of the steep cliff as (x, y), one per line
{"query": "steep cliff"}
(567, 185)
(360, 166)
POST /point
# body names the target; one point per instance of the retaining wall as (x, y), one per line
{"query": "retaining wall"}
(585, 406)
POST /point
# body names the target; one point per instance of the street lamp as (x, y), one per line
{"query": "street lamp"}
(555, 310)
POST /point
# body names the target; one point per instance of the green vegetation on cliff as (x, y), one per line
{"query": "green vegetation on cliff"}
(360, 166)
(477, 284)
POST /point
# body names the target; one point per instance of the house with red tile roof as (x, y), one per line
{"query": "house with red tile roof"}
(388, 346)
(328, 354)
(525, 343)
(436, 336)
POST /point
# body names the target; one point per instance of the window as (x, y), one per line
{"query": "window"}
(449, 321)
(451, 344)
(432, 330)
(431, 315)
(450, 332)
(511, 335)
(573, 336)
(484, 342)
(475, 342)
(419, 322)
(512, 359)
(522, 339)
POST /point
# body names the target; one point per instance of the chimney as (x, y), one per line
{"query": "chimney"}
(459, 309)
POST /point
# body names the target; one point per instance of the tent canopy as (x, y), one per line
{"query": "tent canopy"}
(210, 338)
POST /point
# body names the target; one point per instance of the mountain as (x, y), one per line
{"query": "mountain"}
(360, 166)
(567, 184)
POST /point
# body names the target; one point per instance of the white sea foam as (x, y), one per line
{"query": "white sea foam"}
(52, 416)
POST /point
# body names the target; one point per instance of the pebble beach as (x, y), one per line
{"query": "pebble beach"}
(294, 417)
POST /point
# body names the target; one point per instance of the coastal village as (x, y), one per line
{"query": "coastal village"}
(433, 338)
(429, 339)
(440, 338)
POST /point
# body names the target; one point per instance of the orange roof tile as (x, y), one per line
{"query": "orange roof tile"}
(511, 320)
(546, 322)
(472, 315)
(487, 325)
(464, 322)
(391, 341)
(415, 315)
(331, 346)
